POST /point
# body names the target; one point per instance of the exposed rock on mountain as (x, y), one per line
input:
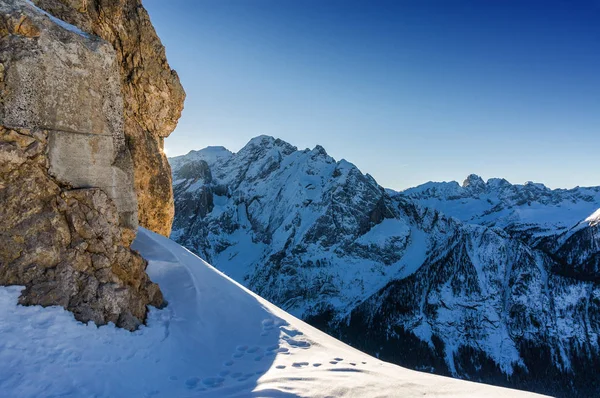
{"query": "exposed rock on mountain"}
(480, 297)
(530, 211)
(151, 91)
(69, 210)
(546, 219)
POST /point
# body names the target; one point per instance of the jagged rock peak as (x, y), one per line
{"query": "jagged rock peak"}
(495, 183)
(473, 181)
(263, 143)
(319, 150)
(262, 140)
(536, 185)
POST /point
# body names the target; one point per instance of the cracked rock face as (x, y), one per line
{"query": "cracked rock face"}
(151, 91)
(69, 210)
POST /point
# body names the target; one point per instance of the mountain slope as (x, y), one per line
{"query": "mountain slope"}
(561, 222)
(273, 205)
(532, 208)
(215, 339)
(380, 269)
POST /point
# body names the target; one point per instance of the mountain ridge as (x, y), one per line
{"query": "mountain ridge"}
(328, 244)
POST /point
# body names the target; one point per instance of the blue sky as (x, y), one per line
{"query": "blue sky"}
(409, 91)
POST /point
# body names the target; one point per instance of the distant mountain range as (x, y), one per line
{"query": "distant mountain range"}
(487, 281)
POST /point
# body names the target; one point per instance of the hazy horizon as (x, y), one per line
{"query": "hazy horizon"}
(409, 92)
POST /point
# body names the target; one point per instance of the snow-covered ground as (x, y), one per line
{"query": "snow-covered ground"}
(215, 339)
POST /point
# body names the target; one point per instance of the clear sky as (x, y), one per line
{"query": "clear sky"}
(409, 91)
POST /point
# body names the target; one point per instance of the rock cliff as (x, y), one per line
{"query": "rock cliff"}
(69, 209)
(151, 91)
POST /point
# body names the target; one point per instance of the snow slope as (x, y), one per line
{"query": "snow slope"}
(594, 219)
(214, 339)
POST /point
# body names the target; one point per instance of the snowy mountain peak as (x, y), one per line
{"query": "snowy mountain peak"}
(210, 154)
(474, 182)
(319, 150)
(594, 219)
(392, 274)
(263, 144)
(536, 185)
(531, 207)
(497, 183)
(261, 140)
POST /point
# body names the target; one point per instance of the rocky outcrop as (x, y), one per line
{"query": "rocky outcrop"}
(69, 210)
(151, 91)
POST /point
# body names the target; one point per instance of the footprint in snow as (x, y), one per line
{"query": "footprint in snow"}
(299, 364)
(280, 367)
(297, 343)
(241, 348)
(228, 363)
(213, 381)
(291, 332)
(245, 377)
(238, 355)
(252, 350)
(316, 365)
(272, 350)
(192, 382)
(338, 359)
(258, 358)
(236, 375)
(268, 324)
(333, 362)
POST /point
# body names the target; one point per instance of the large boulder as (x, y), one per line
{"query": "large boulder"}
(69, 209)
(152, 94)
